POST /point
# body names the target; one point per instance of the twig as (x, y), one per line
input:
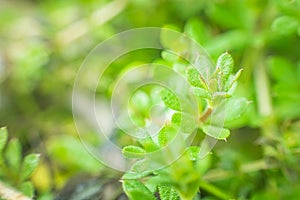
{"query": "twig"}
(206, 114)
(9, 193)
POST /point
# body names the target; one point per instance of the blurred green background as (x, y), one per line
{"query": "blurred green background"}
(43, 43)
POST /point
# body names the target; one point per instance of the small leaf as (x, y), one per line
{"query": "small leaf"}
(169, 56)
(27, 189)
(201, 93)
(29, 164)
(140, 166)
(193, 77)
(233, 80)
(225, 66)
(186, 122)
(148, 144)
(222, 95)
(216, 132)
(176, 118)
(167, 192)
(3, 138)
(193, 152)
(133, 152)
(162, 137)
(213, 85)
(135, 175)
(230, 110)
(135, 190)
(166, 134)
(285, 25)
(189, 123)
(170, 100)
(13, 154)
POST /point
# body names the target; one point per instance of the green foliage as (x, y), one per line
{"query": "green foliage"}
(184, 182)
(167, 192)
(193, 77)
(13, 154)
(216, 132)
(285, 25)
(3, 137)
(135, 190)
(67, 151)
(261, 156)
(225, 66)
(170, 100)
(29, 164)
(230, 110)
(133, 152)
(15, 170)
(27, 189)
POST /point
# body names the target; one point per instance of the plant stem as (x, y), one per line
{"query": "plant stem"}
(214, 190)
(9, 193)
(262, 90)
(264, 100)
(206, 114)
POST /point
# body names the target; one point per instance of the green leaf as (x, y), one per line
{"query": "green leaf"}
(193, 152)
(140, 165)
(225, 66)
(3, 138)
(148, 144)
(230, 110)
(167, 192)
(176, 119)
(186, 122)
(162, 137)
(216, 132)
(193, 77)
(201, 93)
(67, 149)
(218, 97)
(213, 85)
(140, 101)
(133, 152)
(29, 164)
(285, 25)
(135, 175)
(27, 189)
(281, 69)
(13, 154)
(203, 164)
(166, 134)
(135, 190)
(170, 99)
(170, 56)
(233, 80)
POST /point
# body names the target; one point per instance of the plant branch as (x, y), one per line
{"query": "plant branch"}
(214, 190)
(11, 194)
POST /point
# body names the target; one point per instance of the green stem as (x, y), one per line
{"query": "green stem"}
(214, 190)
(262, 90)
